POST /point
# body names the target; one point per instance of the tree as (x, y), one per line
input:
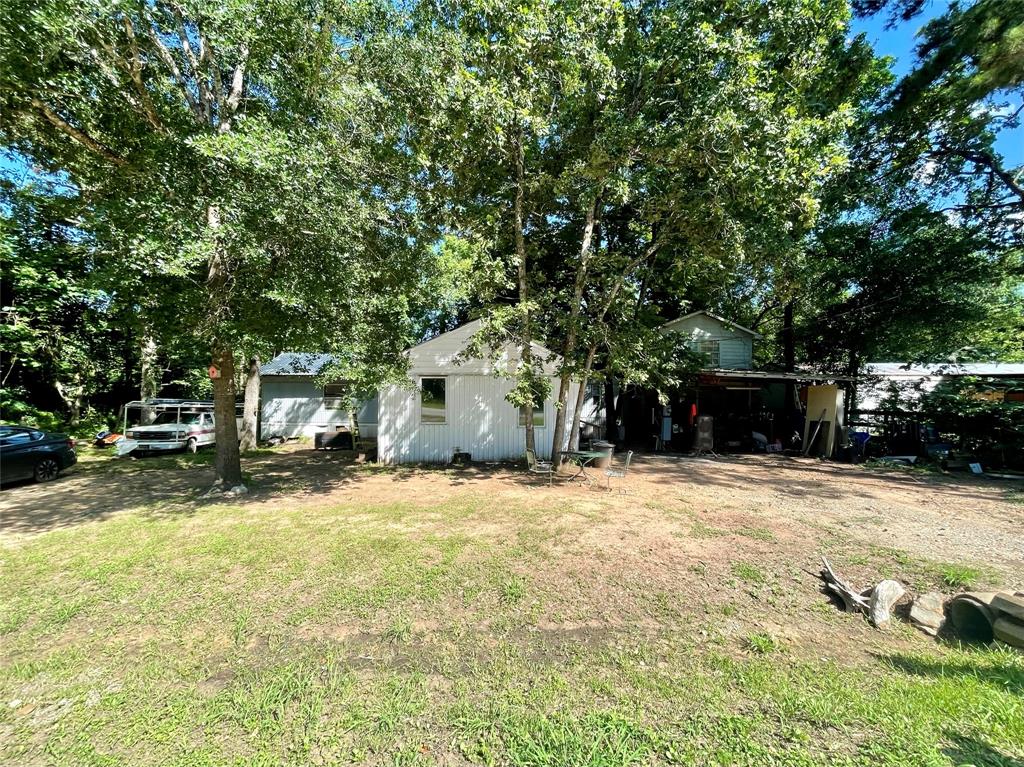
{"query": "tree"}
(943, 117)
(63, 342)
(918, 253)
(720, 140)
(511, 65)
(243, 155)
(609, 134)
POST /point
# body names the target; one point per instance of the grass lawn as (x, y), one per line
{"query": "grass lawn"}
(471, 630)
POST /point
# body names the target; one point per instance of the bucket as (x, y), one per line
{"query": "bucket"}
(608, 449)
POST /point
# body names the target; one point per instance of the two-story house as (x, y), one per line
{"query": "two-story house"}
(748, 407)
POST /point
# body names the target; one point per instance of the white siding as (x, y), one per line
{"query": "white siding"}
(293, 407)
(735, 347)
(479, 420)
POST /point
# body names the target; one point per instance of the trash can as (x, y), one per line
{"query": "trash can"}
(606, 447)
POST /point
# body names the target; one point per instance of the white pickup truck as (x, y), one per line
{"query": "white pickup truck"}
(189, 430)
(167, 425)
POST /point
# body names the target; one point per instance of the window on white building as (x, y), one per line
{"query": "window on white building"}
(432, 400)
(709, 349)
(538, 415)
(334, 397)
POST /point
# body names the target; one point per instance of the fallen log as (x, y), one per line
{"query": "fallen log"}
(883, 597)
(852, 600)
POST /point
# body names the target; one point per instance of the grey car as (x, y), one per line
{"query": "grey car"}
(27, 453)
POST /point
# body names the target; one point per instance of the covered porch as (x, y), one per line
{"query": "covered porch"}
(740, 411)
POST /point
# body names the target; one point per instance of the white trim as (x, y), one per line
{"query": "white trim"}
(419, 400)
(536, 410)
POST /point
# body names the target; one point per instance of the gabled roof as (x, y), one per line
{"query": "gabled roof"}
(312, 364)
(469, 329)
(296, 364)
(446, 353)
(723, 320)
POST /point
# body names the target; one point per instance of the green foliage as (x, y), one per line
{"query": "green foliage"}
(763, 643)
(910, 284)
(917, 255)
(974, 413)
(233, 176)
(350, 178)
(64, 340)
(960, 576)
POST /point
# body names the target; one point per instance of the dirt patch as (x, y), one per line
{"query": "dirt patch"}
(723, 538)
(676, 507)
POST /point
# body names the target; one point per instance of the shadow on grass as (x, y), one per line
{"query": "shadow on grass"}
(102, 484)
(964, 749)
(1005, 676)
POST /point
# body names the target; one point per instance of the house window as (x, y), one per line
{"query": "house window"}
(538, 415)
(334, 397)
(709, 349)
(432, 400)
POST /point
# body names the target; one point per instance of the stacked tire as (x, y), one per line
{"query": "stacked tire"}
(1008, 611)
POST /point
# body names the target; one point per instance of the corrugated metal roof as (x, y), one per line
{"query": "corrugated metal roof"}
(902, 370)
(296, 364)
(775, 375)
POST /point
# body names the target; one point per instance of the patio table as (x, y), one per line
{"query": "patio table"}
(582, 459)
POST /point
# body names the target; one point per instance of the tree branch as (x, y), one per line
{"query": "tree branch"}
(168, 58)
(135, 72)
(77, 134)
(186, 45)
(769, 306)
(237, 82)
(649, 251)
(985, 160)
(208, 56)
(980, 206)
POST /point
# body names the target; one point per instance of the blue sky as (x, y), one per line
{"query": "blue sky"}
(900, 42)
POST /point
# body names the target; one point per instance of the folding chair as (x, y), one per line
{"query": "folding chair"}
(539, 467)
(611, 471)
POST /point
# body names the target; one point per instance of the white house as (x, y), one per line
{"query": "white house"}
(293, 405)
(727, 345)
(451, 403)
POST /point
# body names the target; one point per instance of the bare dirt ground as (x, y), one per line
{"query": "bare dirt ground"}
(452, 571)
(954, 518)
(683, 525)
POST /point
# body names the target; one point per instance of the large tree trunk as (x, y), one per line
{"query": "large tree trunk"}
(789, 360)
(788, 337)
(73, 398)
(149, 383)
(852, 370)
(228, 461)
(571, 334)
(526, 349)
(577, 412)
(250, 410)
